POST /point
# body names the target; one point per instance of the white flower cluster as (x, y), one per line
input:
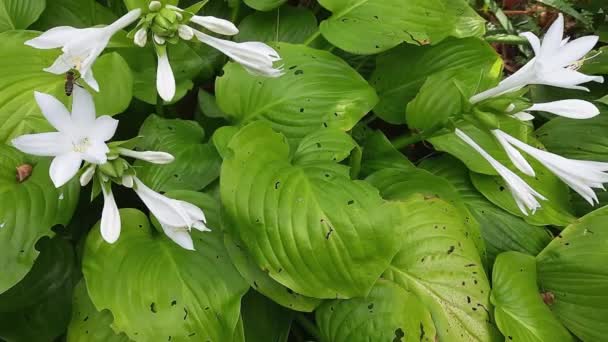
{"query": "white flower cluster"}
(555, 64)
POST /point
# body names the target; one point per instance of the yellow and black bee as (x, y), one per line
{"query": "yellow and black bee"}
(70, 80)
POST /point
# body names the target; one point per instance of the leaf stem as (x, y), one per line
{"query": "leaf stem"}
(313, 37)
(406, 140)
(308, 326)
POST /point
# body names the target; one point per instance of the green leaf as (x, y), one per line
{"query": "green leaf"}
(500, 230)
(573, 269)
(519, 311)
(155, 288)
(45, 315)
(440, 265)
(28, 211)
(380, 154)
(373, 26)
(401, 72)
(88, 324)
(577, 139)
(318, 90)
(264, 5)
(264, 320)
(21, 69)
(143, 4)
(76, 13)
(324, 145)
(309, 226)
(263, 283)
(388, 313)
(196, 164)
(286, 24)
(19, 14)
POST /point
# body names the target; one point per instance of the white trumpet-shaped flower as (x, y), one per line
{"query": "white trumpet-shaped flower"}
(155, 157)
(525, 197)
(176, 217)
(554, 64)
(165, 81)
(110, 225)
(80, 135)
(80, 47)
(573, 109)
(581, 175)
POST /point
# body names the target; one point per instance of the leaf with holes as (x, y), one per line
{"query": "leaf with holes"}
(318, 90)
(308, 226)
(289, 24)
(28, 211)
(401, 72)
(520, 312)
(373, 26)
(388, 313)
(440, 265)
(195, 293)
(196, 164)
(573, 271)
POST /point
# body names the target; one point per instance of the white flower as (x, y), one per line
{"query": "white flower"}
(165, 81)
(87, 175)
(574, 109)
(257, 58)
(155, 157)
(110, 217)
(176, 217)
(216, 25)
(581, 175)
(80, 47)
(552, 65)
(523, 116)
(80, 136)
(525, 197)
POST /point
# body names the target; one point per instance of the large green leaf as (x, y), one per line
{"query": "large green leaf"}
(40, 303)
(373, 26)
(574, 271)
(156, 289)
(28, 211)
(500, 230)
(196, 165)
(379, 154)
(88, 324)
(286, 24)
(440, 265)
(388, 313)
(308, 226)
(19, 14)
(318, 90)
(264, 320)
(263, 283)
(519, 311)
(76, 13)
(402, 71)
(577, 139)
(22, 73)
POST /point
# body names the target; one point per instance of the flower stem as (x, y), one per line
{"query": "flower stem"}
(160, 110)
(406, 140)
(308, 326)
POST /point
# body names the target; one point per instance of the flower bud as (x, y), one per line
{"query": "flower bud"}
(141, 37)
(155, 6)
(155, 157)
(159, 40)
(185, 32)
(87, 175)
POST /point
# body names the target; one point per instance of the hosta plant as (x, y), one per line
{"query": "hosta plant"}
(331, 170)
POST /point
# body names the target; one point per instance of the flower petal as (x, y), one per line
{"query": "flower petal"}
(533, 40)
(553, 38)
(64, 167)
(54, 112)
(54, 38)
(90, 80)
(123, 21)
(60, 66)
(180, 236)
(165, 209)
(104, 128)
(523, 116)
(83, 110)
(574, 51)
(574, 109)
(520, 78)
(566, 78)
(96, 152)
(110, 216)
(216, 25)
(165, 81)
(43, 144)
(514, 155)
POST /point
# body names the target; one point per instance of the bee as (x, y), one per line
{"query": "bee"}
(70, 81)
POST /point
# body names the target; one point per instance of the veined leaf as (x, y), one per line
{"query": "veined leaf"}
(19, 14)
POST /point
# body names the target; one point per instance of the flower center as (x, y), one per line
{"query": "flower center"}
(81, 145)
